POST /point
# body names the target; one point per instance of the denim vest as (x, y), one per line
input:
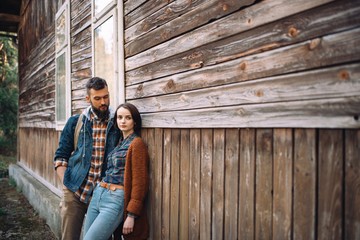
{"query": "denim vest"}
(79, 160)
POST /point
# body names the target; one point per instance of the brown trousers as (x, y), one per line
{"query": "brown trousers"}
(72, 216)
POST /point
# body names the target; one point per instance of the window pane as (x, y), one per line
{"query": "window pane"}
(60, 88)
(104, 55)
(100, 5)
(60, 31)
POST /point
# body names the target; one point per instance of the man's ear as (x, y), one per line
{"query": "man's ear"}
(87, 98)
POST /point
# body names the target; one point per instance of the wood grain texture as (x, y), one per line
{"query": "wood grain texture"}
(246, 228)
(206, 160)
(218, 206)
(283, 183)
(184, 184)
(330, 182)
(264, 184)
(293, 29)
(195, 181)
(175, 184)
(352, 184)
(305, 175)
(338, 112)
(240, 21)
(231, 183)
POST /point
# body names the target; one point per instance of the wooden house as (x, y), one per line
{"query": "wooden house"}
(250, 108)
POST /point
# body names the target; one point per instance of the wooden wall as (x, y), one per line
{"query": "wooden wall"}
(36, 64)
(244, 63)
(251, 111)
(254, 183)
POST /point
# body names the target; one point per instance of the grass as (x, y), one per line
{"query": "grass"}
(5, 161)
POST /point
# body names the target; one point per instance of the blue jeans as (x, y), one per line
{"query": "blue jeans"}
(104, 214)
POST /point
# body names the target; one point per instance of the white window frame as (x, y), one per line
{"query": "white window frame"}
(113, 9)
(64, 48)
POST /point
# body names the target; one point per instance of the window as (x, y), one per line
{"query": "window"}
(62, 67)
(107, 60)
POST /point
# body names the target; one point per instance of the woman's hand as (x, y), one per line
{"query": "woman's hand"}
(128, 225)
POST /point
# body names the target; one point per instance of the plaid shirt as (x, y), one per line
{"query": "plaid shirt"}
(116, 161)
(98, 151)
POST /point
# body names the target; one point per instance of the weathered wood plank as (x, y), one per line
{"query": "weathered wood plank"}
(283, 183)
(184, 185)
(131, 5)
(305, 164)
(328, 113)
(78, 78)
(188, 16)
(231, 183)
(206, 186)
(264, 184)
(330, 185)
(246, 228)
(80, 15)
(149, 138)
(333, 49)
(81, 40)
(195, 178)
(175, 183)
(217, 219)
(157, 189)
(241, 21)
(165, 215)
(141, 9)
(294, 29)
(352, 184)
(340, 81)
(158, 19)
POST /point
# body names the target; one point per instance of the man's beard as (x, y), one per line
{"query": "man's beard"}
(103, 115)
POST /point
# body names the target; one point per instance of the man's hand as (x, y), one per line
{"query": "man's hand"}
(60, 171)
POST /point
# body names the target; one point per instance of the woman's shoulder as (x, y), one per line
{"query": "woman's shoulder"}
(138, 142)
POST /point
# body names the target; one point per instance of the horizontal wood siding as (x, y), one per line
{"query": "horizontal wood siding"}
(37, 64)
(37, 60)
(81, 52)
(254, 183)
(254, 63)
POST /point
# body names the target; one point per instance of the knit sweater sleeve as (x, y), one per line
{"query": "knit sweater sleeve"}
(139, 161)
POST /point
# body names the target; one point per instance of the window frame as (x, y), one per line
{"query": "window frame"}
(113, 9)
(63, 49)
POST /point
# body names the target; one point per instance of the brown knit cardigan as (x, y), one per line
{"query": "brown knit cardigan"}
(136, 185)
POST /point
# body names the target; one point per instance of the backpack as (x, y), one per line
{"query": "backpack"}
(77, 130)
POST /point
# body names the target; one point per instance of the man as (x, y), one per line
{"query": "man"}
(80, 169)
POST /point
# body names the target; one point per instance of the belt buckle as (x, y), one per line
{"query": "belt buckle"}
(108, 186)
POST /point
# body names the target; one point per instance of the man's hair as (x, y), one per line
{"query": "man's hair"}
(95, 83)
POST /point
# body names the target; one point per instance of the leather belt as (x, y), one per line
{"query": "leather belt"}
(111, 186)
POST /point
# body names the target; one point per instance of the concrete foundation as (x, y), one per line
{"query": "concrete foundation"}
(44, 201)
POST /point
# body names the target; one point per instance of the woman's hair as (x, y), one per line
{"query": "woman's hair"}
(134, 114)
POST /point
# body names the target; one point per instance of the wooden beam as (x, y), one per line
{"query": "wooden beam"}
(320, 113)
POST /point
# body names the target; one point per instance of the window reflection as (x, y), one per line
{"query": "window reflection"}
(60, 31)
(100, 5)
(60, 88)
(104, 55)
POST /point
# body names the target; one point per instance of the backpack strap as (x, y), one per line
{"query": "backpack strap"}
(77, 130)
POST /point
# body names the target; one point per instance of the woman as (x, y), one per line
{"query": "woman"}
(121, 194)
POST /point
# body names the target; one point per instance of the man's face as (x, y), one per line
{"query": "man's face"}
(99, 100)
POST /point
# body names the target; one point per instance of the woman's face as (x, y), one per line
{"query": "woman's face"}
(125, 121)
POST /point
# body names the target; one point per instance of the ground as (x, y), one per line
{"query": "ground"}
(18, 220)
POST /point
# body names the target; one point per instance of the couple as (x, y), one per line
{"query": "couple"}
(104, 176)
